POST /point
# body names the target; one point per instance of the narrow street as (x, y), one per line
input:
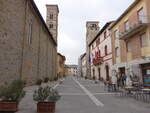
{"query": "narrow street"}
(84, 96)
(95, 57)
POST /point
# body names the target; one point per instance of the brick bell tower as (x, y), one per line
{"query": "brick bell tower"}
(92, 28)
(52, 20)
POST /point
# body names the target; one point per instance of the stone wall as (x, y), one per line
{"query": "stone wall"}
(22, 57)
(11, 37)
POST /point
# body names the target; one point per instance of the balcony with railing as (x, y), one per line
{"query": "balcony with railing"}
(97, 59)
(134, 28)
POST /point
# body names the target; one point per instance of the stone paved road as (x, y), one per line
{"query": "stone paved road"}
(75, 99)
(84, 96)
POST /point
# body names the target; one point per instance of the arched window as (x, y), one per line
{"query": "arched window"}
(51, 16)
(99, 52)
(106, 52)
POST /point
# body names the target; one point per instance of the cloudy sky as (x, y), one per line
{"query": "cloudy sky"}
(72, 21)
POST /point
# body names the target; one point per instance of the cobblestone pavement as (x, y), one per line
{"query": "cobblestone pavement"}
(84, 96)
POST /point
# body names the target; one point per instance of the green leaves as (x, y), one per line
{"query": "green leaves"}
(41, 94)
(44, 94)
(54, 96)
(13, 92)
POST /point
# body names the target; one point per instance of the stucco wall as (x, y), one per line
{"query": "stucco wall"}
(107, 58)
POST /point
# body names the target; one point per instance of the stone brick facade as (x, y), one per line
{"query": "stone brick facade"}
(27, 48)
(83, 65)
(92, 28)
(52, 19)
(60, 65)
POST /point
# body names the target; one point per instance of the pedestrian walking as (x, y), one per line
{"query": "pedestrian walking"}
(129, 80)
(114, 80)
(118, 80)
(124, 79)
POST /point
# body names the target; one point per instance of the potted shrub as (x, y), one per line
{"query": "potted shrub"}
(56, 78)
(86, 77)
(46, 98)
(11, 95)
(94, 77)
(39, 82)
(46, 79)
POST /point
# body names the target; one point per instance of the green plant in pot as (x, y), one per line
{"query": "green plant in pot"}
(46, 79)
(39, 82)
(11, 95)
(46, 98)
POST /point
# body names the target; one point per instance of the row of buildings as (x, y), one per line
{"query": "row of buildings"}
(71, 70)
(64, 70)
(28, 45)
(122, 45)
(61, 69)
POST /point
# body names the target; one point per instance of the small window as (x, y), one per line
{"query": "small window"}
(30, 34)
(117, 51)
(143, 40)
(99, 53)
(105, 35)
(51, 26)
(92, 46)
(51, 16)
(93, 25)
(127, 25)
(97, 41)
(106, 52)
(116, 34)
(129, 46)
(141, 15)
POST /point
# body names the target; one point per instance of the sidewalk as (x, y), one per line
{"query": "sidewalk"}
(28, 105)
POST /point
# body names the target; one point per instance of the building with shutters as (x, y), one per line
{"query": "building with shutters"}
(131, 41)
(71, 70)
(101, 54)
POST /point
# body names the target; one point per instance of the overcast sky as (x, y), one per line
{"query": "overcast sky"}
(72, 21)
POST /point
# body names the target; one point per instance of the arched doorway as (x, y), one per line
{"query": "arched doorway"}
(107, 72)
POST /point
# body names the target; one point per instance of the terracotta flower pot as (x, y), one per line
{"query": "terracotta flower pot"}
(8, 106)
(46, 107)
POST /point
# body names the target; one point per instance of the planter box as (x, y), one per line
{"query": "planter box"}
(8, 107)
(46, 107)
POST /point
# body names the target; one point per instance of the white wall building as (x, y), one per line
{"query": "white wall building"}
(101, 54)
(83, 65)
(72, 69)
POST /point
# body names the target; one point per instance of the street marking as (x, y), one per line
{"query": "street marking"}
(92, 97)
(100, 85)
(65, 86)
(83, 94)
(73, 94)
(56, 86)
